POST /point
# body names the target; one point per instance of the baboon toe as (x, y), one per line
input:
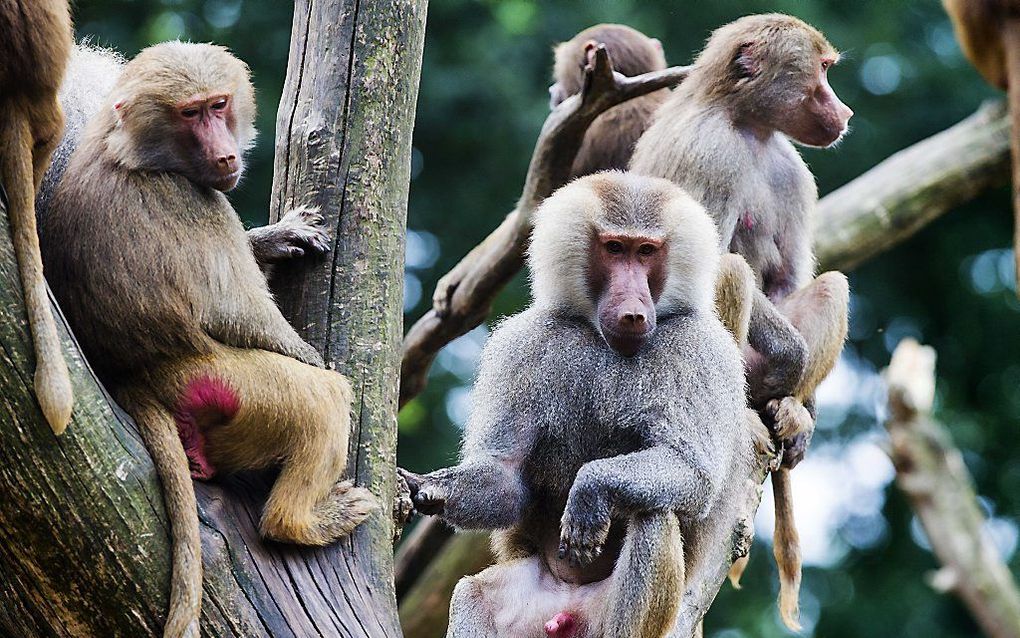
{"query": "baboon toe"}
(345, 508)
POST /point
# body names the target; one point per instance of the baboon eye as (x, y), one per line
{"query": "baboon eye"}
(614, 247)
(219, 105)
(190, 112)
(646, 249)
(826, 64)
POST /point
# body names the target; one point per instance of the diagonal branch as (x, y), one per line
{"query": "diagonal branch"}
(930, 471)
(464, 296)
(892, 201)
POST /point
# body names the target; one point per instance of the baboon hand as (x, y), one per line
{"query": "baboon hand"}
(443, 293)
(794, 449)
(583, 531)
(429, 497)
(788, 418)
(301, 231)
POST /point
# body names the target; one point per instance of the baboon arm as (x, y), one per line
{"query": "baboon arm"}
(480, 493)
(656, 479)
(777, 340)
(269, 332)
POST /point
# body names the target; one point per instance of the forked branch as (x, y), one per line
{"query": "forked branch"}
(464, 296)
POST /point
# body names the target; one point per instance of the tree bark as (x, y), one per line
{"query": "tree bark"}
(84, 545)
(888, 204)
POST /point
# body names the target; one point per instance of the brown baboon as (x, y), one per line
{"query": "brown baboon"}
(157, 277)
(725, 135)
(989, 34)
(609, 141)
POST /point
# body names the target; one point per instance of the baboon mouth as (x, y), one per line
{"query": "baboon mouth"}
(627, 343)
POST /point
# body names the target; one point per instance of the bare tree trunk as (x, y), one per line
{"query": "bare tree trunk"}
(83, 536)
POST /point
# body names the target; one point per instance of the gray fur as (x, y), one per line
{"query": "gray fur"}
(91, 75)
(576, 449)
(760, 192)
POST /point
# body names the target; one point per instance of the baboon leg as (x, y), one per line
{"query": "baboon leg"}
(470, 616)
(734, 293)
(820, 312)
(648, 579)
(290, 413)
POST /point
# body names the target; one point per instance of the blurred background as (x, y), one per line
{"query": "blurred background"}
(482, 101)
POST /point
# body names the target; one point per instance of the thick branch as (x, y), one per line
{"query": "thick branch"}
(895, 199)
(464, 296)
(931, 472)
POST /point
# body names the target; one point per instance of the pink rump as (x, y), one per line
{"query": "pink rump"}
(206, 402)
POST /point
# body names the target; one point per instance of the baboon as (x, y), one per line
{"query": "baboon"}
(609, 141)
(91, 75)
(155, 273)
(609, 427)
(35, 43)
(725, 135)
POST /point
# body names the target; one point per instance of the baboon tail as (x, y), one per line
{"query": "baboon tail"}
(52, 382)
(648, 579)
(159, 430)
(786, 548)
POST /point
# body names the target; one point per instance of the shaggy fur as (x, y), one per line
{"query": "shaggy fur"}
(622, 464)
(609, 141)
(156, 276)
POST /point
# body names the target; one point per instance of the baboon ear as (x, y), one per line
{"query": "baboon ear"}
(747, 62)
(119, 107)
(589, 52)
(657, 44)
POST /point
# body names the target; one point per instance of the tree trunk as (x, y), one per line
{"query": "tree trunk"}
(84, 545)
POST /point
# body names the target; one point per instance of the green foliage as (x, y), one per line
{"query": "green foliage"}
(481, 105)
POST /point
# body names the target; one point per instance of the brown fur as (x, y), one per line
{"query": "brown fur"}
(35, 44)
(159, 283)
(609, 141)
(725, 136)
(989, 34)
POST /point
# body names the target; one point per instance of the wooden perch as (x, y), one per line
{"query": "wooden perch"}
(83, 536)
(465, 294)
(931, 472)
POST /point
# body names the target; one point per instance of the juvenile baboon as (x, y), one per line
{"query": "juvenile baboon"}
(609, 141)
(154, 271)
(989, 34)
(725, 135)
(35, 42)
(609, 427)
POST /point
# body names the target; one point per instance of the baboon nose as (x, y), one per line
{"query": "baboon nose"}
(634, 318)
(227, 163)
